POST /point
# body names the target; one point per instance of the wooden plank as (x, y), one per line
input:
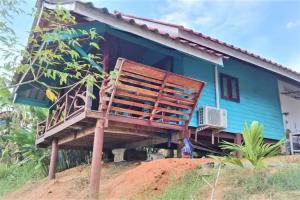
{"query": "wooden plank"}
(137, 90)
(125, 132)
(174, 104)
(178, 92)
(131, 103)
(136, 127)
(173, 85)
(144, 70)
(76, 135)
(144, 122)
(169, 118)
(173, 111)
(149, 79)
(134, 96)
(177, 99)
(159, 95)
(185, 81)
(139, 83)
(124, 110)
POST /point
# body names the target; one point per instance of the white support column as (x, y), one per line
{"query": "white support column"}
(217, 87)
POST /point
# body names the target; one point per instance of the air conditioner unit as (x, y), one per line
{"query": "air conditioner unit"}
(212, 117)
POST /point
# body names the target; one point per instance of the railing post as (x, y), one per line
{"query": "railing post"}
(97, 159)
(66, 107)
(89, 90)
(53, 159)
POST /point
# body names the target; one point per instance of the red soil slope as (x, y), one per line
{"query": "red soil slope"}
(119, 181)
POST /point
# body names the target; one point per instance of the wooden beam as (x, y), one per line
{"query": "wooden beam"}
(151, 141)
(144, 122)
(76, 135)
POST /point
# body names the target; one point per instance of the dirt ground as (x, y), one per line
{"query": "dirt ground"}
(126, 180)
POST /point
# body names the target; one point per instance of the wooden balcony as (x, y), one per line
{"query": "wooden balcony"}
(140, 102)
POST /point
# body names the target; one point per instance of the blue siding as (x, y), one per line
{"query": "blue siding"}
(201, 70)
(259, 96)
(259, 99)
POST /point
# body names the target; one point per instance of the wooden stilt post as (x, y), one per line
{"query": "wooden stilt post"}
(53, 159)
(179, 153)
(97, 159)
(238, 140)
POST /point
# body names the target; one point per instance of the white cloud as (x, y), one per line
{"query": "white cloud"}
(204, 20)
(293, 24)
(220, 18)
(294, 62)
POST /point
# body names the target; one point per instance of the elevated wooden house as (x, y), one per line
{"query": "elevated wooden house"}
(163, 71)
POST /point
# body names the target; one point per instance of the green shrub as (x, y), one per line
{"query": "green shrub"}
(253, 149)
(286, 179)
(187, 187)
(14, 176)
(267, 182)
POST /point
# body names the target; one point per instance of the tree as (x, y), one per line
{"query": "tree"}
(49, 46)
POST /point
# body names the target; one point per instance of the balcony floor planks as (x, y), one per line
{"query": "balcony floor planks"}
(121, 130)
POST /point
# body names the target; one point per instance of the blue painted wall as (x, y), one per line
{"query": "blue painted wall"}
(201, 70)
(259, 96)
(259, 99)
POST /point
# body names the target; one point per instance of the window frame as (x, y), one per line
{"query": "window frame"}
(230, 80)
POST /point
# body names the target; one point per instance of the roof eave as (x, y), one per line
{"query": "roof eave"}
(230, 51)
(104, 17)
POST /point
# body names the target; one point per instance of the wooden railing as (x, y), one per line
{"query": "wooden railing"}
(137, 92)
(152, 94)
(69, 105)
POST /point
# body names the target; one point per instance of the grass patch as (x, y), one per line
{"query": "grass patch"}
(267, 183)
(188, 187)
(12, 177)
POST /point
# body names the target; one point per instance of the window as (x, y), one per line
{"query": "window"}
(229, 88)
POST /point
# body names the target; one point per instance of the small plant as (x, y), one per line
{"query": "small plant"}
(253, 148)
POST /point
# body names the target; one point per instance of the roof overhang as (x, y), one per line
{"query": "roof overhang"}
(94, 14)
(230, 51)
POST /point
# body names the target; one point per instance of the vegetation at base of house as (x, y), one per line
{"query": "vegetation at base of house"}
(273, 182)
(188, 187)
(253, 148)
(280, 182)
(14, 176)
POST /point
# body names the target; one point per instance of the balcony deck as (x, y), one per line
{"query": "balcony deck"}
(140, 103)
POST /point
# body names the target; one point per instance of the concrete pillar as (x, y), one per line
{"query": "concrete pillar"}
(118, 154)
(53, 159)
(96, 159)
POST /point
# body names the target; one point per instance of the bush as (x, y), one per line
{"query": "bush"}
(286, 179)
(188, 187)
(14, 176)
(253, 149)
(266, 182)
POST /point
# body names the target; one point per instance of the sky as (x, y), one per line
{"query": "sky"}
(269, 28)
